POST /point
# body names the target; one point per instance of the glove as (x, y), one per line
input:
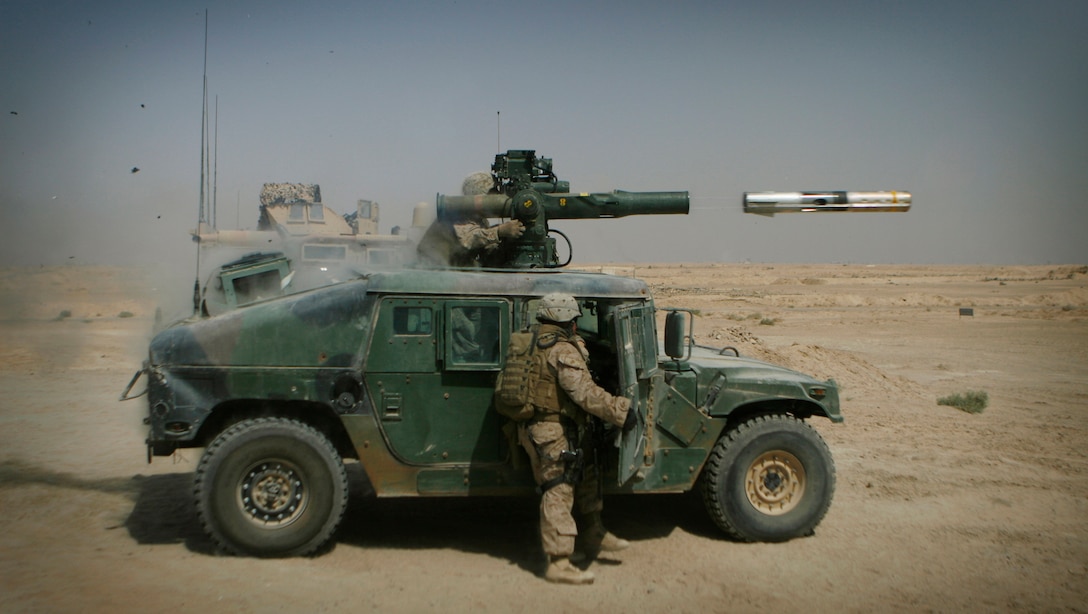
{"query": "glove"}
(510, 230)
(631, 420)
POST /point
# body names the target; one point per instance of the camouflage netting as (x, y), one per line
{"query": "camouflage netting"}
(287, 193)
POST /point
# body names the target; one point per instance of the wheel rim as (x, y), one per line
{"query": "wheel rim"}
(272, 493)
(775, 482)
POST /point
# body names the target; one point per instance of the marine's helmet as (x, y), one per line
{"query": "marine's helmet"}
(558, 307)
(481, 182)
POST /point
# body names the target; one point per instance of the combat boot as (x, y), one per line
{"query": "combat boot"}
(611, 543)
(561, 571)
(596, 539)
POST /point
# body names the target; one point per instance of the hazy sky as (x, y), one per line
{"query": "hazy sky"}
(977, 107)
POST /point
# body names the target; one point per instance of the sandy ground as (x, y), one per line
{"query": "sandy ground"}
(936, 509)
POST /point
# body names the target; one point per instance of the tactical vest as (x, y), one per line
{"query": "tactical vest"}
(546, 395)
(527, 389)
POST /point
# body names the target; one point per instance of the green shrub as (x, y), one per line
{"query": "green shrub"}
(972, 401)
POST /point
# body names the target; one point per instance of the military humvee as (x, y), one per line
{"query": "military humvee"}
(396, 370)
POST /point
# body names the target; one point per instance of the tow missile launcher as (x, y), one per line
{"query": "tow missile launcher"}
(527, 190)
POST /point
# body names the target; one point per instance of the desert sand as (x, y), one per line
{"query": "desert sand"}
(936, 509)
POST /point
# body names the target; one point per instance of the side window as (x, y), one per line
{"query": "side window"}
(477, 334)
(637, 336)
(411, 320)
(296, 213)
(405, 338)
(589, 324)
(318, 251)
(257, 286)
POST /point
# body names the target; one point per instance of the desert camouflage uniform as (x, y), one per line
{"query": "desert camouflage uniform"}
(554, 429)
(476, 234)
(460, 242)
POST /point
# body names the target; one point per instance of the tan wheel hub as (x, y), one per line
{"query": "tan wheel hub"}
(775, 482)
(272, 493)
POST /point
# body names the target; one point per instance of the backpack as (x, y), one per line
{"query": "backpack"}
(513, 396)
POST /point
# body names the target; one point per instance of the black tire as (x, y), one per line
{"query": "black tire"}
(270, 487)
(769, 479)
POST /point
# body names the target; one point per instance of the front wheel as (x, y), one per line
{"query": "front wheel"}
(769, 479)
(271, 487)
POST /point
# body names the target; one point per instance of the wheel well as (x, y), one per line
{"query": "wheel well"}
(317, 415)
(796, 408)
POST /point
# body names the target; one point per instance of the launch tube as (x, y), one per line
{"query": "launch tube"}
(528, 204)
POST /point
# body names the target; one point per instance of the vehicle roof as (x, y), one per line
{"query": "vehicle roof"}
(504, 282)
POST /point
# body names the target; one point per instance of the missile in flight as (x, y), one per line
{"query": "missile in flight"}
(769, 203)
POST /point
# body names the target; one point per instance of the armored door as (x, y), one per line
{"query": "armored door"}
(431, 371)
(636, 349)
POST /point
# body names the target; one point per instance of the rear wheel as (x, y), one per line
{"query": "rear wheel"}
(271, 487)
(770, 479)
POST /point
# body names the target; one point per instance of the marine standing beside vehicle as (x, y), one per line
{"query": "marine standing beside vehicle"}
(564, 396)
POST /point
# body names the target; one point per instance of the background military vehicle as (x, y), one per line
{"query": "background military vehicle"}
(299, 243)
(281, 393)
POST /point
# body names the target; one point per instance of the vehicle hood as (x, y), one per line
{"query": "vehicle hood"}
(741, 366)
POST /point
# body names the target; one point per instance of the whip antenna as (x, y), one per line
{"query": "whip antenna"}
(203, 129)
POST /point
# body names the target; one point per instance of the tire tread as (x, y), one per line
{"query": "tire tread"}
(201, 482)
(722, 455)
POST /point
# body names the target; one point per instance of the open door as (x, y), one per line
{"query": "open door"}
(636, 350)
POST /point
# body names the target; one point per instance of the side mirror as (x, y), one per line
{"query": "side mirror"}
(675, 330)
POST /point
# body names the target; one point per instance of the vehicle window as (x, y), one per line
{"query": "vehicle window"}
(324, 252)
(257, 287)
(381, 256)
(529, 313)
(474, 334)
(588, 324)
(412, 321)
(296, 213)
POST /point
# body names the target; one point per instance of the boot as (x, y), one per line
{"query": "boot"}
(611, 543)
(561, 571)
(595, 539)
